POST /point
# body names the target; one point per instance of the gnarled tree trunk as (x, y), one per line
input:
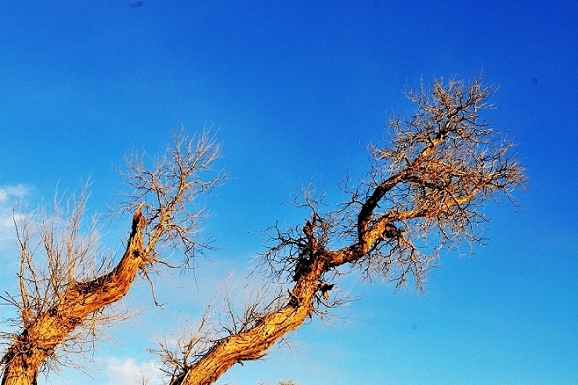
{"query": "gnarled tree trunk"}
(42, 334)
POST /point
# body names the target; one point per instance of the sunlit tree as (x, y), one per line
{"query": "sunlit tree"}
(66, 283)
(423, 192)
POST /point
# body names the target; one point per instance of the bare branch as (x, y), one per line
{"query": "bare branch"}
(166, 189)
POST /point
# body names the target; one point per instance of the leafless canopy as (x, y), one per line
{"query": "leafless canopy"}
(56, 249)
(424, 192)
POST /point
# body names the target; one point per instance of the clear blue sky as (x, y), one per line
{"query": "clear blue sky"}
(297, 90)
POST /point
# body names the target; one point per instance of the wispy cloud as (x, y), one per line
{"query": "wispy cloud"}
(10, 197)
(129, 371)
(8, 193)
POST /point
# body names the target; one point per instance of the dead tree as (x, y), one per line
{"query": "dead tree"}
(65, 292)
(422, 193)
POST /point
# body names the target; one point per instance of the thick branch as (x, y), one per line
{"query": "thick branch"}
(253, 343)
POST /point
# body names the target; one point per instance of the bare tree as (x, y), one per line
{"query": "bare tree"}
(422, 193)
(66, 288)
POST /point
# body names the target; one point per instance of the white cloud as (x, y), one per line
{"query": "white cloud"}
(129, 371)
(10, 197)
(13, 193)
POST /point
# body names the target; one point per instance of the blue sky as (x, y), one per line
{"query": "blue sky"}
(296, 91)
